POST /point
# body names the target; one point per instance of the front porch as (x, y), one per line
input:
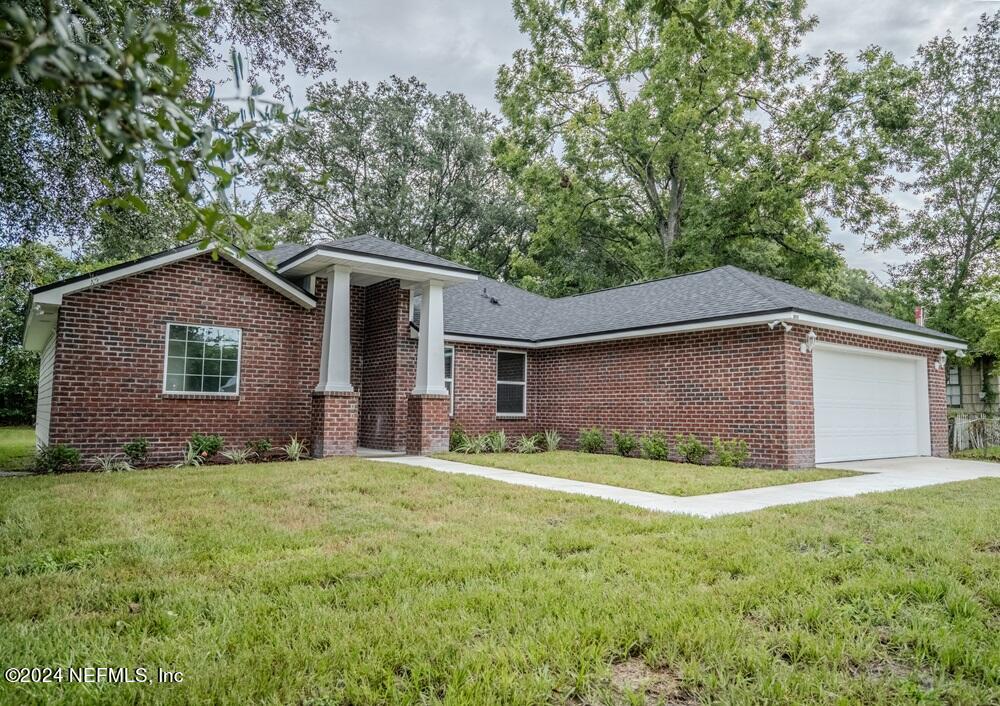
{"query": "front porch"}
(380, 384)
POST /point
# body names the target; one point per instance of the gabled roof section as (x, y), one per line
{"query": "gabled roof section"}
(286, 257)
(706, 298)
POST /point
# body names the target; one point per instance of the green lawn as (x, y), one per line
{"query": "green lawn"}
(17, 448)
(989, 453)
(347, 581)
(641, 474)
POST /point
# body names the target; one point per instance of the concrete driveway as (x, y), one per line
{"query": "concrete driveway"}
(947, 469)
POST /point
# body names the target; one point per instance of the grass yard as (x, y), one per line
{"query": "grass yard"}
(989, 453)
(346, 581)
(641, 474)
(17, 448)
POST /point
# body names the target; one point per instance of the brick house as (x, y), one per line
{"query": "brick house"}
(364, 343)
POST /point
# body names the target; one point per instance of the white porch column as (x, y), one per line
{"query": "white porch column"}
(335, 363)
(430, 344)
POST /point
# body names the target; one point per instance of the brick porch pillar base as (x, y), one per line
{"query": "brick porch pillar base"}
(334, 424)
(428, 423)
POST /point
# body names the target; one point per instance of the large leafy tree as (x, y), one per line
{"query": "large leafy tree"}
(101, 103)
(662, 137)
(949, 158)
(401, 162)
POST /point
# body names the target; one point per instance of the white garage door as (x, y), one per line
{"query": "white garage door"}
(869, 405)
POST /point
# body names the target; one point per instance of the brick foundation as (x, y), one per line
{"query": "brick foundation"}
(334, 424)
(428, 424)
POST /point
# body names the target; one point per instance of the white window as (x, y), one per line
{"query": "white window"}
(953, 387)
(449, 377)
(202, 359)
(512, 370)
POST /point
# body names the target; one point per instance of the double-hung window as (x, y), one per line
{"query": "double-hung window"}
(449, 377)
(953, 388)
(202, 360)
(512, 383)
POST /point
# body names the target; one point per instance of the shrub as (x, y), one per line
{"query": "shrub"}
(654, 446)
(496, 441)
(690, 449)
(526, 444)
(237, 455)
(472, 445)
(625, 443)
(457, 438)
(190, 458)
(734, 452)
(111, 463)
(552, 439)
(295, 449)
(137, 450)
(57, 458)
(591, 441)
(206, 445)
(259, 447)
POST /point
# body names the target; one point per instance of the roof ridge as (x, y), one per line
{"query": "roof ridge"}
(750, 282)
(636, 284)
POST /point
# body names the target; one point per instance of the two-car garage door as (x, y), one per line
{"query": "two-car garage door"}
(869, 405)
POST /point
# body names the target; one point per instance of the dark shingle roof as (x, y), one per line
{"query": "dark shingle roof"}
(361, 244)
(720, 293)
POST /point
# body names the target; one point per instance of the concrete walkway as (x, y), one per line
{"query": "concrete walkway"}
(879, 477)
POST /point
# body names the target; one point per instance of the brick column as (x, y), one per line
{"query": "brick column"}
(428, 424)
(334, 424)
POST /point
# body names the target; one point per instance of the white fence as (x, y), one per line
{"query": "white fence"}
(974, 432)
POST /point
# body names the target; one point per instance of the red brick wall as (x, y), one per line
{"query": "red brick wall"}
(334, 424)
(475, 377)
(110, 356)
(428, 424)
(379, 413)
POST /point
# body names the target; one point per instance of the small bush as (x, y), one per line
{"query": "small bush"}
(57, 458)
(591, 441)
(734, 452)
(654, 446)
(471, 445)
(206, 445)
(137, 450)
(259, 447)
(551, 438)
(295, 449)
(238, 455)
(526, 444)
(625, 443)
(457, 437)
(190, 458)
(690, 449)
(496, 441)
(110, 463)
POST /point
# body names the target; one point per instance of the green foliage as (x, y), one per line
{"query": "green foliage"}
(526, 444)
(239, 455)
(690, 449)
(136, 450)
(206, 445)
(401, 162)
(457, 437)
(591, 441)
(495, 441)
(111, 463)
(654, 446)
(552, 439)
(190, 458)
(295, 449)
(732, 452)
(57, 458)
(259, 447)
(625, 443)
(475, 444)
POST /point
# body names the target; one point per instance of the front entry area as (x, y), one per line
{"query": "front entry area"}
(869, 405)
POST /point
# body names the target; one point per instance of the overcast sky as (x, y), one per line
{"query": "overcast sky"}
(457, 45)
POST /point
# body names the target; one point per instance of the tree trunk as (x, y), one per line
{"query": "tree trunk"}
(673, 226)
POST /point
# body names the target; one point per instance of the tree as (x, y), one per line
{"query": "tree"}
(400, 162)
(688, 134)
(949, 156)
(22, 268)
(95, 98)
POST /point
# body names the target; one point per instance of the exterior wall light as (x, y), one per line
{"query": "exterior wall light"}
(942, 360)
(810, 343)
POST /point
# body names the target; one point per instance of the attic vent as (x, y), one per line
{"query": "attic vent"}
(493, 300)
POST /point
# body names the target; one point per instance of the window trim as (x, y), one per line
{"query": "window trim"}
(185, 393)
(947, 397)
(496, 388)
(451, 402)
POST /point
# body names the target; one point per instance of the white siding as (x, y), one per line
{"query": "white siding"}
(43, 413)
